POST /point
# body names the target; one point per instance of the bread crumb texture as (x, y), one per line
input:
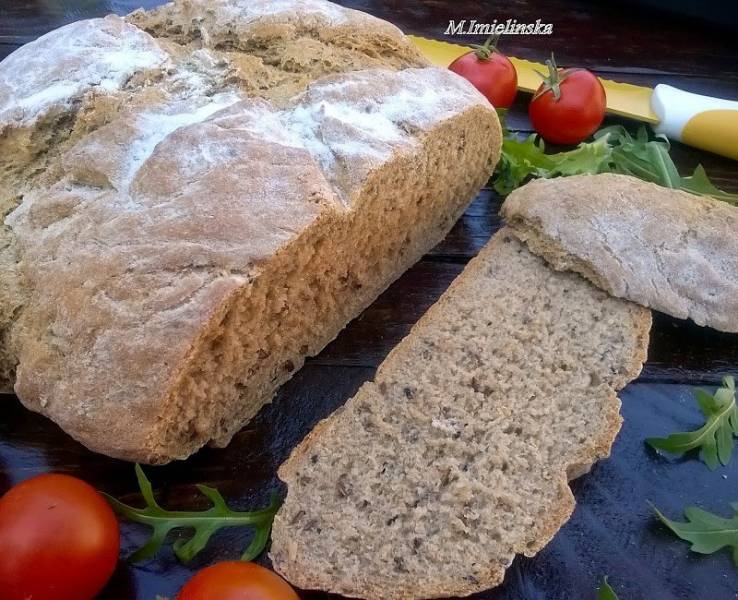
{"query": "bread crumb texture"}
(665, 249)
(196, 198)
(456, 457)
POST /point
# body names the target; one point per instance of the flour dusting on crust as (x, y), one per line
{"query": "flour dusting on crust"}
(246, 11)
(354, 119)
(62, 65)
(157, 126)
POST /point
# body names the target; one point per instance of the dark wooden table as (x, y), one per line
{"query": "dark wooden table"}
(612, 531)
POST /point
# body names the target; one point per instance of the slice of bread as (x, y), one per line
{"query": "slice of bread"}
(181, 236)
(665, 249)
(456, 457)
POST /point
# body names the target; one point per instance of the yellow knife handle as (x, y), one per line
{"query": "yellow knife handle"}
(700, 121)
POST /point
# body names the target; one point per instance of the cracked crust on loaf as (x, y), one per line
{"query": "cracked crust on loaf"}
(665, 249)
(215, 191)
(456, 457)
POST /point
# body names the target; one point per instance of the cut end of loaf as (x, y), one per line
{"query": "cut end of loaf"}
(321, 280)
(456, 457)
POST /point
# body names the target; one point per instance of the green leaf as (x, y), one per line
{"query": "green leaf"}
(519, 161)
(715, 438)
(699, 183)
(614, 150)
(586, 158)
(525, 159)
(658, 156)
(707, 532)
(203, 524)
(605, 592)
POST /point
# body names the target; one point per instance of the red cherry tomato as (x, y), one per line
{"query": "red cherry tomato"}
(490, 72)
(569, 105)
(58, 539)
(237, 581)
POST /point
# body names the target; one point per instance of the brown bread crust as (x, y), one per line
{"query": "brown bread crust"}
(665, 249)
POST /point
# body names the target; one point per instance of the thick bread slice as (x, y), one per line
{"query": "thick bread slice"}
(665, 249)
(456, 457)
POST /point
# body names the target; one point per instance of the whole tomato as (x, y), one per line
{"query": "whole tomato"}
(569, 105)
(236, 581)
(59, 539)
(490, 72)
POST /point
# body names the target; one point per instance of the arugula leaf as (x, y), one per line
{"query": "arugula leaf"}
(521, 160)
(585, 158)
(715, 437)
(614, 150)
(605, 592)
(707, 532)
(699, 183)
(203, 523)
(642, 157)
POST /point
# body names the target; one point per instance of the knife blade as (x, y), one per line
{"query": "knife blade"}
(700, 121)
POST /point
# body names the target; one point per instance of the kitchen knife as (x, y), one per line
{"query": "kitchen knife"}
(700, 121)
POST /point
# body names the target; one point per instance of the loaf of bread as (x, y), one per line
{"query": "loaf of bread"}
(665, 249)
(456, 457)
(199, 197)
(56, 90)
